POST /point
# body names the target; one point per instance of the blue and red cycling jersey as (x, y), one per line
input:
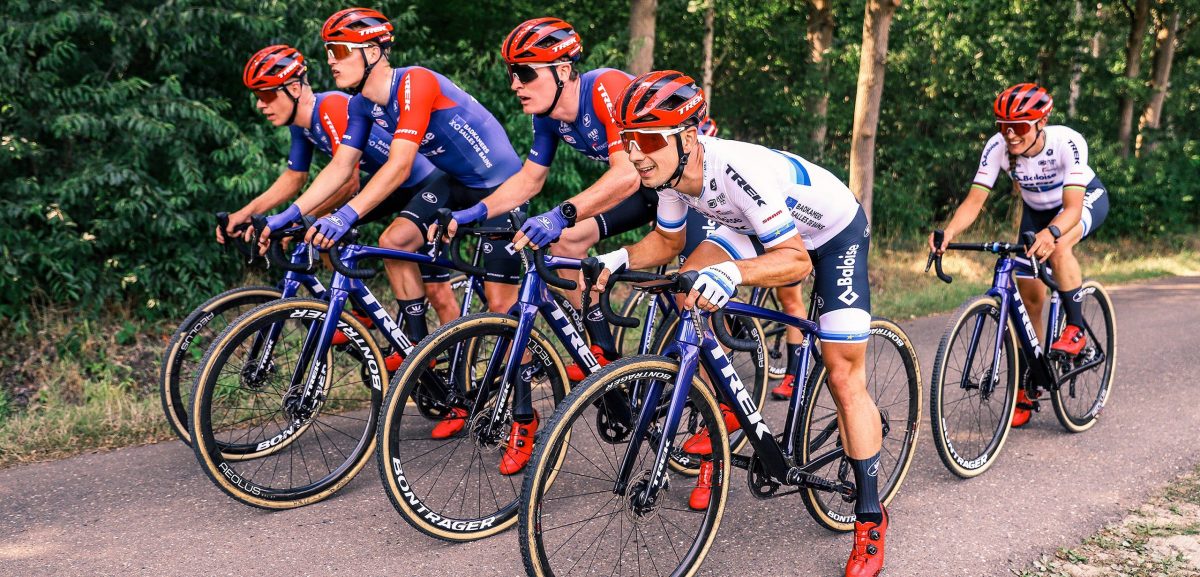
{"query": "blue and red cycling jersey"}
(453, 130)
(328, 124)
(594, 132)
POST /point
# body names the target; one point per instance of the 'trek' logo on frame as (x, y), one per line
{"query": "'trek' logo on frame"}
(737, 179)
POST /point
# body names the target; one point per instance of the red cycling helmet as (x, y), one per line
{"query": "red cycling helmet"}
(542, 40)
(662, 99)
(1025, 101)
(273, 67)
(707, 127)
(359, 25)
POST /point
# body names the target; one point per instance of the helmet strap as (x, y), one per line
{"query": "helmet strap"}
(367, 68)
(683, 160)
(558, 83)
(295, 102)
(1040, 132)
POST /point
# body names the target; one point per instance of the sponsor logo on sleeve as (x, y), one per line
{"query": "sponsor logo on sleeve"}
(429, 197)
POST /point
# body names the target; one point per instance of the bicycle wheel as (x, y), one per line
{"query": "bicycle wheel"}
(452, 488)
(571, 521)
(894, 383)
(1078, 401)
(187, 346)
(970, 406)
(751, 367)
(254, 434)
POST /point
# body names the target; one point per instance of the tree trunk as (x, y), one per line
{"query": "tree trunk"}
(1076, 67)
(872, 64)
(709, 32)
(1133, 68)
(1164, 54)
(820, 39)
(641, 36)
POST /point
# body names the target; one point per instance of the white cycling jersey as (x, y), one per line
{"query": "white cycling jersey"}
(1063, 161)
(755, 190)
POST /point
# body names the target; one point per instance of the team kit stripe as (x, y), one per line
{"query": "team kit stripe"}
(770, 236)
(672, 225)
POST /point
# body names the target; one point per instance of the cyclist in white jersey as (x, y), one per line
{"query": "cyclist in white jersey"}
(1063, 199)
(804, 218)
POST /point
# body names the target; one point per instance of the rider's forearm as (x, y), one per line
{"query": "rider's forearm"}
(283, 189)
(343, 195)
(968, 211)
(655, 249)
(328, 182)
(514, 192)
(390, 176)
(779, 267)
(612, 187)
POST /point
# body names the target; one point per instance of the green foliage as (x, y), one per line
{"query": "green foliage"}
(124, 125)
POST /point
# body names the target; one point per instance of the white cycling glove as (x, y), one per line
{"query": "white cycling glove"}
(615, 261)
(718, 282)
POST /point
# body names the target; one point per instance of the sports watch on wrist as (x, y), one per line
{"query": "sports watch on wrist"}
(1054, 232)
(569, 212)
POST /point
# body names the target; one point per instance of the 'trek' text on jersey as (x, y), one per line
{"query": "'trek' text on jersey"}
(593, 132)
(453, 130)
(767, 193)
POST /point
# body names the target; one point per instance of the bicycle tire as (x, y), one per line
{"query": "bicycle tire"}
(181, 359)
(563, 462)
(964, 454)
(1078, 413)
(405, 446)
(331, 443)
(900, 409)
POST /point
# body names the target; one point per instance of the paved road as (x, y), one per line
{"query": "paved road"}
(149, 511)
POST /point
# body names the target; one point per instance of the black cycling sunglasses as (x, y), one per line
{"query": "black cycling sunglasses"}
(527, 73)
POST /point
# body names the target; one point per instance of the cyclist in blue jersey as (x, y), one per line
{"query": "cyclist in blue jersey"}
(426, 115)
(278, 76)
(575, 108)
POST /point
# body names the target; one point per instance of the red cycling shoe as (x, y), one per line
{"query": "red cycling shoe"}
(575, 373)
(450, 425)
(1071, 342)
(784, 391)
(520, 447)
(701, 444)
(866, 559)
(702, 493)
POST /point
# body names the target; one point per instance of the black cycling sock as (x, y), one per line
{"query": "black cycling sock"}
(793, 357)
(412, 313)
(523, 408)
(1074, 308)
(867, 507)
(600, 331)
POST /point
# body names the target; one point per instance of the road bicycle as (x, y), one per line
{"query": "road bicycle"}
(186, 348)
(977, 371)
(598, 503)
(287, 397)
(451, 487)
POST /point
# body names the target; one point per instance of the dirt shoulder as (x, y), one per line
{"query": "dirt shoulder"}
(1159, 538)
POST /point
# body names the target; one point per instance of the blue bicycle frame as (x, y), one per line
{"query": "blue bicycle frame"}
(1004, 289)
(534, 299)
(696, 345)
